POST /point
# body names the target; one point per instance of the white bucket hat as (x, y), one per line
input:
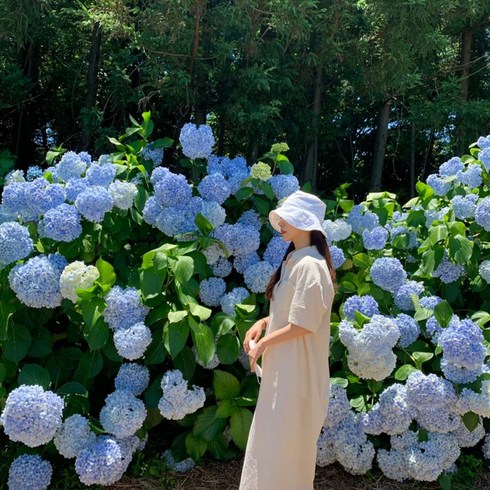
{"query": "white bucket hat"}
(301, 210)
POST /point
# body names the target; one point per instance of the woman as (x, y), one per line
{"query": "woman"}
(294, 392)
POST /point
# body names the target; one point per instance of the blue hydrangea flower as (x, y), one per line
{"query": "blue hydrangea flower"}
(471, 177)
(432, 215)
(460, 375)
(337, 230)
(31, 415)
(233, 298)
(36, 282)
(15, 243)
(33, 172)
(132, 342)
(222, 268)
(182, 466)
(388, 273)
(409, 329)
(482, 213)
(429, 391)
(71, 166)
(251, 218)
(464, 206)
(366, 305)
(238, 239)
(177, 400)
(123, 414)
(274, 253)
(402, 296)
(124, 308)
(227, 167)
(94, 202)
(17, 202)
(448, 272)
(45, 196)
(74, 436)
(101, 175)
(61, 224)
(440, 187)
(398, 230)
(181, 219)
(361, 219)
(197, 142)
(483, 142)
(132, 377)
(451, 167)
(214, 187)
(123, 194)
(258, 276)
(102, 463)
(212, 290)
(338, 257)
(468, 438)
(236, 180)
(429, 302)
(172, 189)
(29, 472)
(214, 213)
(375, 239)
(74, 187)
(242, 262)
(155, 155)
(484, 271)
(151, 210)
(484, 157)
(159, 174)
(284, 185)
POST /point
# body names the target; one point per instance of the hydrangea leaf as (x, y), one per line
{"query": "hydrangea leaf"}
(443, 313)
(34, 374)
(471, 420)
(225, 385)
(208, 424)
(175, 336)
(17, 344)
(228, 348)
(240, 423)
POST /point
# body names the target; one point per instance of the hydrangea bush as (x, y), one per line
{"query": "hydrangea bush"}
(127, 288)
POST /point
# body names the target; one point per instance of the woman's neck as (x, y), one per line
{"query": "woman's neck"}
(302, 241)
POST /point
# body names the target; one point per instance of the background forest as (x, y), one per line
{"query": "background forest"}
(373, 92)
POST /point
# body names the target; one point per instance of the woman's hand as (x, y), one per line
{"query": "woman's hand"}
(253, 333)
(254, 354)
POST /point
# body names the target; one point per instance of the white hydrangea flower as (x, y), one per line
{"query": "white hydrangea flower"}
(75, 276)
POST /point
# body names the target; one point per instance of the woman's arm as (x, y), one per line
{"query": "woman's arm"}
(290, 331)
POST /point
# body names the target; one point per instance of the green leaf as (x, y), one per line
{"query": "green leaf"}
(98, 335)
(176, 316)
(221, 324)
(362, 260)
(481, 318)
(175, 336)
(6, 312)
(339, 381)
(183, 268)
(72, 388)
(91, 364)
(151, 282)
(156, 352)
(186, 362)
(240, 422)
(244, 193)
(218, 447)
(199, 311)
(443, 313)
(34, 374)
(403, 372)
(195, 446)
(204, 341)
(444, 481)
(207, 424)
(205, 227)
(91, 311)
(286, 167)
(3, 372)
(471, 420)
(163, 143)
(421, 357)
(225, 385)
(460, 249)
(17, 344)
(106, 271)
(42, 343)
(422, 314)
(228, 348)
(225, 408)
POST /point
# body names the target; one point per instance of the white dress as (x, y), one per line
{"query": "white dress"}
(294, 391)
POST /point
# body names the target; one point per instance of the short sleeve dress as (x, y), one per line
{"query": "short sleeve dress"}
(294, 391)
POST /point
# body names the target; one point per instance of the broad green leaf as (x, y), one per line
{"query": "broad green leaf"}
(91, 310)
(205, 227)
(91, 364)
(221, 324)
(34, 374)
(106, 271)
(443, 313)
(3, 372)
(444, 481)
(98, 335)
(362, 260)
(199, 311)
(207, 424)
(204, 341)
(339, 381)
(195, 446)
(176, 316)
(244, 193)
(228, 348)
(6, 312)
(225, 385)
(471, 420)
(175, 336)
(403, 372)
(17, 344)
(421, 357)
(183, 268)
(72, 388)
(218, 448)
(286, 167)
(460, 249)
(240, 422)
(42, 343)
(186, 362)
(225, 408)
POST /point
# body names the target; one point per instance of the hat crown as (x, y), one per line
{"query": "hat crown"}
(306, 202)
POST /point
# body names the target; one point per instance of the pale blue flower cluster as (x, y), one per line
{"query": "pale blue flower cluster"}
(17, 203)
(74, 436)
(252, 218)
(482, 213)
(284, 185)
(388, 273)
(123, 414)
(15, 243)
(391, 414)
(429, 302)
(124, 308)
(196, 141)
(74, 188)
(178, 220)
(132, 342)
(44, 196)
(484, 157)
(233, 298)
(214, 213)
(61, 223)
(471, 177)
(235, 170)
(432, 327)
(222, 268)
(238, 239)
(366, 305)
(155, 155)
(375, 239)
(180, 467)
(486, 447)
(14, 176)
(370, 353)
(399, 230)
(36, 282)
(440, 187)
(31, 415)
(29, 472)
(464, 206)
(338, 406)
(402, 295)
(257, 276)
(94, 202)
(484, 271)
(123, 194)
(451, 167)
(242, 262)
(338, 256)
(132, 377)
(71, 166)
(361, 219)
(101, 174)
(433, 215)
(468, 438)
(212, 290)
(213, 253)
(463, 351)
(409, 330)
(214, 187)
(177, 400)
(33, 172)
(274, 253)
(472, 401)
(448, 272)
(337, 230)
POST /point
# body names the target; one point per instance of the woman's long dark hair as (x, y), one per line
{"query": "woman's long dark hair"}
(320, 242)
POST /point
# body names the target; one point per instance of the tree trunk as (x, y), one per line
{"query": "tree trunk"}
(412, 160)
(380, 146)
(92, 85)
(466, 42)
(310, 170)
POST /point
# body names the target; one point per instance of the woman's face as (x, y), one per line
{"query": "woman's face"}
(289, 232)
